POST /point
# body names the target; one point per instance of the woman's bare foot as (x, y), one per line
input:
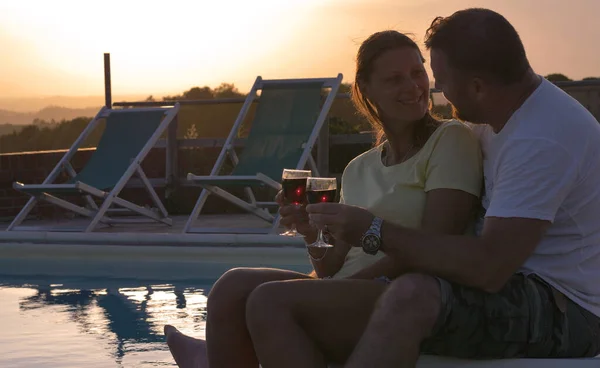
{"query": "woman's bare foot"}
(188, 352)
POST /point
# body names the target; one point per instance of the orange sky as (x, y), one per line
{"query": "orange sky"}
(160, 47)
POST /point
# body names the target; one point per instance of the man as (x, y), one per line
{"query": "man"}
(528, 286)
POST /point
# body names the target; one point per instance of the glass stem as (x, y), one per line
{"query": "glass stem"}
(320, 236)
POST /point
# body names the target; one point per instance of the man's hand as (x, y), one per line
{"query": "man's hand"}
(344, 222)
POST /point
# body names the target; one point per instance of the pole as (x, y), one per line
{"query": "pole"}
(107, 87)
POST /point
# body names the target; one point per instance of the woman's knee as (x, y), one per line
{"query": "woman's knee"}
(233, 286)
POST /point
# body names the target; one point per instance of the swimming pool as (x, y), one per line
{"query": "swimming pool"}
(105, 306)
(98, 323)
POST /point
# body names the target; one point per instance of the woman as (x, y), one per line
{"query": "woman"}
(423, 173)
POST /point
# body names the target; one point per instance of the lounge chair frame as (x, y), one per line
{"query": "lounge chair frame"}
(211, 183)
(45, 192)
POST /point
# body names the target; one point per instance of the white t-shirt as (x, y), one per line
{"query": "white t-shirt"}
(545, 164)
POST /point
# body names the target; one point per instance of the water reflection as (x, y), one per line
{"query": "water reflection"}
(128, 317)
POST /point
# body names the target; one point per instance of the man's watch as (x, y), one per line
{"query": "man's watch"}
(371, 239)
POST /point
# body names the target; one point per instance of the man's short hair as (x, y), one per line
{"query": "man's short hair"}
(480, 41)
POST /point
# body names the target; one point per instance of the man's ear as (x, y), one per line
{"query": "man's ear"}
(479, 87)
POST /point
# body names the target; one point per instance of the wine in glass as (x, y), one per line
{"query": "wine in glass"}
(320, 190)
(293, 183)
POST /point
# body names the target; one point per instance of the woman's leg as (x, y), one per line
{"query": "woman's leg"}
(309, 323)
(228, 342)
(187, 351)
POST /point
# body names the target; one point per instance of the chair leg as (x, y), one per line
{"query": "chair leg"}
(275, 226)
(23, 213)
(250, 195)
(100, 214)
(91, 202)
(196, 211)
(152, 193)
(67, 205)
(141, 211)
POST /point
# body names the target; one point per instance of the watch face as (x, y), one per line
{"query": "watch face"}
(371, 242)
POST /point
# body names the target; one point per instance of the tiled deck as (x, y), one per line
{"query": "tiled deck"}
(233, 220)
(149, 233)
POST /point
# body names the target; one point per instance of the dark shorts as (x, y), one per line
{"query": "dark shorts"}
(527, 318)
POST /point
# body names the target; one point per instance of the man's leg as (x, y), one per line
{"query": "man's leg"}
(227, 342)
(527, 318)
(308, 323)
(399, 325)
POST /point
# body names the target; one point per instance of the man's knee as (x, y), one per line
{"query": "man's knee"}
(262, 306)
(412, 294)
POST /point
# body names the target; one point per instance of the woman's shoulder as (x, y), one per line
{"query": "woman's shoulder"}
(453, 124)
(365, 158)
(453, 129)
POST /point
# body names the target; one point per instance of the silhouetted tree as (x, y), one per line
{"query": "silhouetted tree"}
(345, 88)
(227, 90)
(195, 93)
(442, 111)
(558, 77)
(48, 136)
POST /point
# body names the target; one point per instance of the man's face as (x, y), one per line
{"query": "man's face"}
(455, 87)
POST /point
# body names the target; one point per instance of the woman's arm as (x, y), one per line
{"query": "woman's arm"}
(328, 261)
(325, 261)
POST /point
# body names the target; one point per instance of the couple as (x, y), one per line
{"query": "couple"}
(407, 274)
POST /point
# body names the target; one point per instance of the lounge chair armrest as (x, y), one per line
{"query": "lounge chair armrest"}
(20, 186)
(219, 179)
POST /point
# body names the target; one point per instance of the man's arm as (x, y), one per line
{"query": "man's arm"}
(447, 211)
(485, 262)
(533, 178)
(452, 187)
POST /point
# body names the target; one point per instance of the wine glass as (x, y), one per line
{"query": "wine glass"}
(293, 183)
(320, 190)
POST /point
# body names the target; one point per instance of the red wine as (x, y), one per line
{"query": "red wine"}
(318, 196)
(294, 189)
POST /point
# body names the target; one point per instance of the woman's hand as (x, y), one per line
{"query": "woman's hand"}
(344, 222)
(295, 214)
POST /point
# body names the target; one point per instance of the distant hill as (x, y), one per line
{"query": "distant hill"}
(48, 114)
(31, 104)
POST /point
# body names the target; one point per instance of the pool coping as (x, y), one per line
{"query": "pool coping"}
(150, 239)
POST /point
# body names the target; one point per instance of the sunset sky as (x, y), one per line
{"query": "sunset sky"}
(164, 47)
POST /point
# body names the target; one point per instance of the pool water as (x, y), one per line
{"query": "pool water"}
(95, 322)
